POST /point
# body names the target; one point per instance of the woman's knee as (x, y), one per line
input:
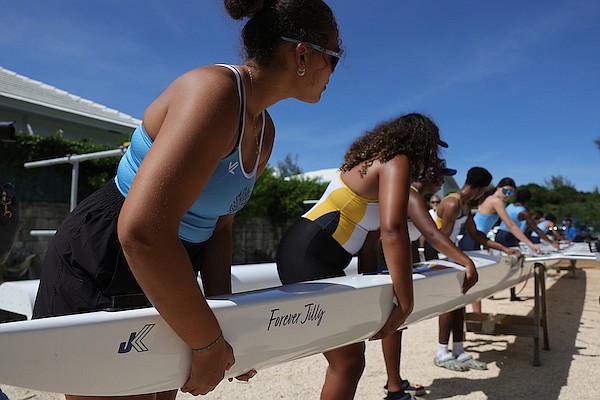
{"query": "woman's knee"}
(348, 360)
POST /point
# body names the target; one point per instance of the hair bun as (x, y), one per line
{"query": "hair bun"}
(239, 9)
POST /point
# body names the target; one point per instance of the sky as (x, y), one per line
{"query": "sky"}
(513, 85)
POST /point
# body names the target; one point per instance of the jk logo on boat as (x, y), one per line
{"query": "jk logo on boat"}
(135, 340)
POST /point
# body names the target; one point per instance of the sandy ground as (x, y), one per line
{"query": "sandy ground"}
(569, 370)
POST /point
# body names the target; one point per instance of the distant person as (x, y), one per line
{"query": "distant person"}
(420, 224)
(491, 208)
(367, 200)
(548, 226)
(537, 216)
(519, 214)
(570, 230)
(192, 164)
(434, 203)
(454, 212)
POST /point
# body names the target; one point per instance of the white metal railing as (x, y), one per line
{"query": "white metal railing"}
(74, 160)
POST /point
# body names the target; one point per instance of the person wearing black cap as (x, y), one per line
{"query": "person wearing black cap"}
(453, 212)
(420, 223)
(368, 200)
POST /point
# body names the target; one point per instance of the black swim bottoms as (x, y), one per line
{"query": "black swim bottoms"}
(306, 252)
(507, 239)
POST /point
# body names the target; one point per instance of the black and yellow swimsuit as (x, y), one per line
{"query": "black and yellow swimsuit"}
(321, 244)
(347, 216)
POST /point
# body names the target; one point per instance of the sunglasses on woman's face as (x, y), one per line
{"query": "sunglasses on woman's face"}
(508, 192)
(435, 202)
(335, 55)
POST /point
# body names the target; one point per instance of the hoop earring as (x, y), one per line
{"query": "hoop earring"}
(301, 70)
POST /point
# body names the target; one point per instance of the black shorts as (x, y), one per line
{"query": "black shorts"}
(306, 252)
(430, 252)
(84, 268)
(467, 243)
(414, 248)
(507, 239)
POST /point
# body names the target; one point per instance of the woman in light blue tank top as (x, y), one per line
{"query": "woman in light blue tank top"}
(191, 166)
(493, 208)
(519, 214)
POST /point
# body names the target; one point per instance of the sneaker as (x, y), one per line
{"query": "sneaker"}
(472, 363)
(451, 363)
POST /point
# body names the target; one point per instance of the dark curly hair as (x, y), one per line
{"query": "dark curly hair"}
(308, 20)
(413, 135)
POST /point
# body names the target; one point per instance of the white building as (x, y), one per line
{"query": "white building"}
(42, 109)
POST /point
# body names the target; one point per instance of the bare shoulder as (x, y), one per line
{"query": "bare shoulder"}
(496, 203)
(214, 80)
(200, 99)
(399, 164)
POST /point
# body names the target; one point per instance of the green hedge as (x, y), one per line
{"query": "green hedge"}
(52, 183)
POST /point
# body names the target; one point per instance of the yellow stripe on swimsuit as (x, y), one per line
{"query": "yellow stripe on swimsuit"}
(347, 216)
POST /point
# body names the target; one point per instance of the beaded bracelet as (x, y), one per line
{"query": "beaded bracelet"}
(210, 345)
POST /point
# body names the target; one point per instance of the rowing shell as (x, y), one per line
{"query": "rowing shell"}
(131, 352)
(572, 251)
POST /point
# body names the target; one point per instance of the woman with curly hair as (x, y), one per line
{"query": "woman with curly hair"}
(369, 199)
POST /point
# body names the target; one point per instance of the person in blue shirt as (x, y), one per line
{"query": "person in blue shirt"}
(570, 230)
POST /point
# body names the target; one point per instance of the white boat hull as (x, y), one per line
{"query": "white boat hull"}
(135, 351)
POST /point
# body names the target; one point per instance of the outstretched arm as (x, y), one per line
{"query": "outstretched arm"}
(514, 229)
(482, 239)
(526, 216)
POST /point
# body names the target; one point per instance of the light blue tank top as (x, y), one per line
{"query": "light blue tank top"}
(485, 222)
(513, 212)
(226, 192)
(543, 228)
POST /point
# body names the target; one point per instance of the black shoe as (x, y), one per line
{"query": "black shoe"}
(413, 388)
(399, 395)
(517, 298)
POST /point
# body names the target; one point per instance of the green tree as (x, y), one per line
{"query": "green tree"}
(558, 181)
(289, 166)
(281, 199)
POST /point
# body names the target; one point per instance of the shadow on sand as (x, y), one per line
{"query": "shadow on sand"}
(518, 378)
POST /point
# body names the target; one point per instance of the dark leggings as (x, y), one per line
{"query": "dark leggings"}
(306, 252)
